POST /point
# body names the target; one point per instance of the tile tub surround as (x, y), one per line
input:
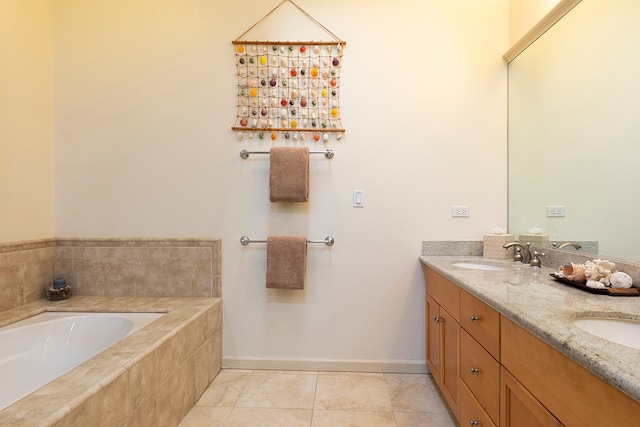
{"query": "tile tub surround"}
(24, 269)
(545, 308)
(140, 267)
(152, 377)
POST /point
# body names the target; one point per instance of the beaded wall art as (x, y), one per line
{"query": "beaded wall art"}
(288, 88)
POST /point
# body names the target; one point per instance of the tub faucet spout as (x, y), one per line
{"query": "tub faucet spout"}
(523, 253)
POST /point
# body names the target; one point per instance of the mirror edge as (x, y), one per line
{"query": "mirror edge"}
(562, 8)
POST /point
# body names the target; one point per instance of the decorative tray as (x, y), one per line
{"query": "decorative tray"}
(616, 292)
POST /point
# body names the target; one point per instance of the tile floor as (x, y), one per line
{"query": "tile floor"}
(319, 399)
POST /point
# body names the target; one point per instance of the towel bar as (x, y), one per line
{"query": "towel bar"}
(327, 153)
(327, 241)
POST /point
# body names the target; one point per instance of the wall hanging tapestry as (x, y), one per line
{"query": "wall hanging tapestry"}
(288, 88)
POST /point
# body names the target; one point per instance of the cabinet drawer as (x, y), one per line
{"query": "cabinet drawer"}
(481, 373)
(444, 291)
(481, 321)
(471, 413)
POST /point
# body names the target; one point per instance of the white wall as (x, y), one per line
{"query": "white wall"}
(26, 121)
(524, 14)
(145, 98)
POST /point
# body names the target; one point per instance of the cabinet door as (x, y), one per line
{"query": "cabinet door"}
(471, 412)
(433, 338)
(519, 408)
(481, 321)
(481, 373)
(450, 359)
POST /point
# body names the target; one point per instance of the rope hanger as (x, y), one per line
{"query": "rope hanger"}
(311, 18)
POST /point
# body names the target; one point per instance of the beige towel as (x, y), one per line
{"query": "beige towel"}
(286, 262)
(289, 174)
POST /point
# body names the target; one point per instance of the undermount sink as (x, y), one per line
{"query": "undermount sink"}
(621, 331)
(479, 265)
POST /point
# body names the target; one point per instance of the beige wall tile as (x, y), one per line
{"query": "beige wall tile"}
(145, 414)
(110, 406)
(143, 380)
(12, 279)
(176, 396)
(78, 417)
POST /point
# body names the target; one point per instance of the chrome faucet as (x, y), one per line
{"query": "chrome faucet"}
(523, 252)
(565, 244)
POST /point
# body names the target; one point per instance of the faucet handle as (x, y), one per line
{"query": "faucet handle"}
(517, 255)
(535, 259)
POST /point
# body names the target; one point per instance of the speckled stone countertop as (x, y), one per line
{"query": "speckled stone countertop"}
(532, 299)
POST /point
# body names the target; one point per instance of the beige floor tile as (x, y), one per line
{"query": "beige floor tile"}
(325, 418)
(226, 388)
(352, 391)
(414, 393)
(206, 416)
(424, 420)
(267, 417)
(279, 389)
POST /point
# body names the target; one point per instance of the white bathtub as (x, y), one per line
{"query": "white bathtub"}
(37, 350)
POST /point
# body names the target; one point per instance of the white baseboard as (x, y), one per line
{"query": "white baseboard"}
(336, 365)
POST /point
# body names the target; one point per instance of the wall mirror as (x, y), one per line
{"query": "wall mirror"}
(574, 130)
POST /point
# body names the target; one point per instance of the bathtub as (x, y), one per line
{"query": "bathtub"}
(37, 350)
(151, 377)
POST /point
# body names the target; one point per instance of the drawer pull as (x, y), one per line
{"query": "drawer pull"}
(437, 319)
(473, 370)
(472, 423)
(474, 318)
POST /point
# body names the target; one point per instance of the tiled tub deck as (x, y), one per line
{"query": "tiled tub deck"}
(152, 377)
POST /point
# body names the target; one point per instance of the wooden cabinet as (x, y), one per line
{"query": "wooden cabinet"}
(443, 335)
(493, 372)
(519, 407)
(471, 412)
(574, 395)
(480, 352)
(481, 373)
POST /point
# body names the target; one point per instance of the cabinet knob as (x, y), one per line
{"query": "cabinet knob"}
(437, 319)
(474, 318)
(473, 370)
(472, 423)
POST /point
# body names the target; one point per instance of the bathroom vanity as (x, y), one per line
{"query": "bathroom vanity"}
(503, 350)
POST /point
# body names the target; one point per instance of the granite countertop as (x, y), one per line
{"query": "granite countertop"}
(532, 299)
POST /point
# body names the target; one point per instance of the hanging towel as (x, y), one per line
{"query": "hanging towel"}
(286, 262)
(289, 174)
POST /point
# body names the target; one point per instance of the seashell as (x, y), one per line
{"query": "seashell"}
(254, 123)
(283, 112)
(574, 272)
(264, 123)
(316, 49)
(282, 49)
(283, 123)
(325, 137)
(250, 135)
(594, 284)
(620, 280)
(295, 136)
(303, 136)
(274, 101)
(240, 136)
(283, 62)
(339, 136)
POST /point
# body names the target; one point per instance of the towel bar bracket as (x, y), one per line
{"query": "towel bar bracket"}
(328, 153)
(329, 241)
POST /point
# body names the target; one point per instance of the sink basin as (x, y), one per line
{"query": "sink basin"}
(479, 265)
(622, 331)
